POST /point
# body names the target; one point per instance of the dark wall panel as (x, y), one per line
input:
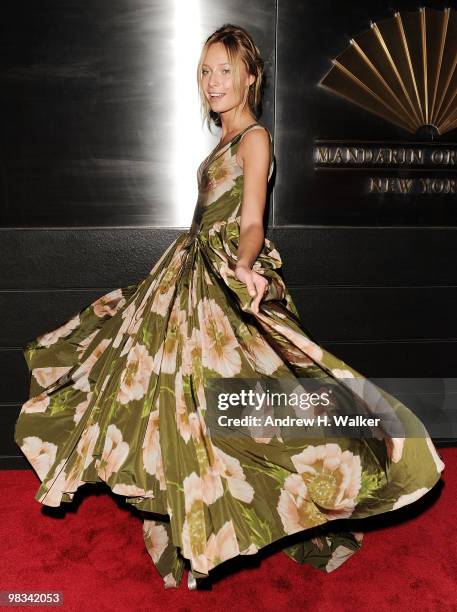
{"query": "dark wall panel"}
(327, 256)
(89, 183)
(99, 118)
(329, 313)
(311, 119)
(386, 316)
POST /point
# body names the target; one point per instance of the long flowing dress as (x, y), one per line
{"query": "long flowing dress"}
(117, 395)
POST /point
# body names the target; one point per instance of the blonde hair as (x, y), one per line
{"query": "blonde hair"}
(240, 47)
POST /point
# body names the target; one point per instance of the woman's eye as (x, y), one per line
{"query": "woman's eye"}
(204, 71)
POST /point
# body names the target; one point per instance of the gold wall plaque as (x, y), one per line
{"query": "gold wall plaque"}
(403, 69)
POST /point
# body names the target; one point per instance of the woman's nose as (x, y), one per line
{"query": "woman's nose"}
(214, 81)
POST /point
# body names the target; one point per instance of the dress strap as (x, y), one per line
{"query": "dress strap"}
(257, 125)
(247, 128)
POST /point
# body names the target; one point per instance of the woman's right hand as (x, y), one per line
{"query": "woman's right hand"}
(257, 285)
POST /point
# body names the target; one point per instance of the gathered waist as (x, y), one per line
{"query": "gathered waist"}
(196, 233)
(190, 237)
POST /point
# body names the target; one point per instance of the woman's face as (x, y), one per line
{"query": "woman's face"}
(217, 78)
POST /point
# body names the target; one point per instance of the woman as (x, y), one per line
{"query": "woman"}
(118, 392)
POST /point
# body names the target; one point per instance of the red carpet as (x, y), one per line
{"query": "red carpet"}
(93, 551)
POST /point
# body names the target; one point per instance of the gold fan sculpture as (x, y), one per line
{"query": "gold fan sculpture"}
(404, 70)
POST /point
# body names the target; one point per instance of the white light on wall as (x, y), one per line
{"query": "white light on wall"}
(188, 139)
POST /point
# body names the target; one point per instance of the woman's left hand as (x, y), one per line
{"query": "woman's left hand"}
(256, 284)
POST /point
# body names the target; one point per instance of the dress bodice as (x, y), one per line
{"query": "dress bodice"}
(220, 183)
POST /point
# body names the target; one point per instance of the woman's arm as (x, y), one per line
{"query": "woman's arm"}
(254, 156)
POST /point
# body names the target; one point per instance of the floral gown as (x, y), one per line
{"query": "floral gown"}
(117, 394)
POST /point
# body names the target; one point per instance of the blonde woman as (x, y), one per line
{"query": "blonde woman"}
(118, 392)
